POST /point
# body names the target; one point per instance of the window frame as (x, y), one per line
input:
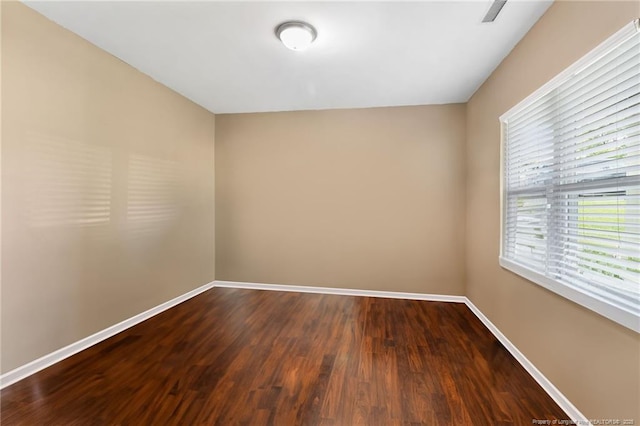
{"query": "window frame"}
(574, 293)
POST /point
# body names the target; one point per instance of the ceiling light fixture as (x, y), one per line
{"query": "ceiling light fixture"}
(296, 35)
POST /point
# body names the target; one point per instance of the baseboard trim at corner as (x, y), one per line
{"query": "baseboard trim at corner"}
(545, 383)
(33, 367)
(341, 291)
(537, 375)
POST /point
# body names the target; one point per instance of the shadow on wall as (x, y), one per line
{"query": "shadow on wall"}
(151, 194)
(92, 233)
(72, 184)
(69, 183)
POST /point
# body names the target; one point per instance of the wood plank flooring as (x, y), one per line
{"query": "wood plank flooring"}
(247, 357)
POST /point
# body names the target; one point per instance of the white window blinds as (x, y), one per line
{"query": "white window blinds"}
(571, 182)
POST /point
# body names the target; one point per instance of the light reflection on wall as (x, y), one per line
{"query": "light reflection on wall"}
(151, 193)
(69, 182)
(73, 262)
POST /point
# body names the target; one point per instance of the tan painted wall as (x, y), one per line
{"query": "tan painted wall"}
(593, 361)
(366, 199)
(369, 199)
(107, 189)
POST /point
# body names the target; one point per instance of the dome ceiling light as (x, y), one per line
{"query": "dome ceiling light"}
(296, 35)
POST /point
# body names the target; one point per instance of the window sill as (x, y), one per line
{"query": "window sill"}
(617, 314)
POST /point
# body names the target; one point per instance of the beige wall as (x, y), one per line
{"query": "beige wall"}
(366, 199)
(593, 361)
(107, 189)
(107, 200)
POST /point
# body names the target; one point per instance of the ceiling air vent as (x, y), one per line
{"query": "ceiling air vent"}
(494, 10)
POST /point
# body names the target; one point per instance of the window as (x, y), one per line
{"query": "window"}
(571, 182)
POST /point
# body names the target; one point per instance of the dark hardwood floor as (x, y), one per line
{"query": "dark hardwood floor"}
(249, 357)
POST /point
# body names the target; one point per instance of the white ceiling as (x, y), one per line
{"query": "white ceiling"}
(225, 56)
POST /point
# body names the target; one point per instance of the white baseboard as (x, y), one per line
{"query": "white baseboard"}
(41, 363)
(341, 291)
(54, 357)
(545, 383)
(564, 403)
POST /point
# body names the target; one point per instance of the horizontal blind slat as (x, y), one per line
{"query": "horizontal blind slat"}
(572, 178)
